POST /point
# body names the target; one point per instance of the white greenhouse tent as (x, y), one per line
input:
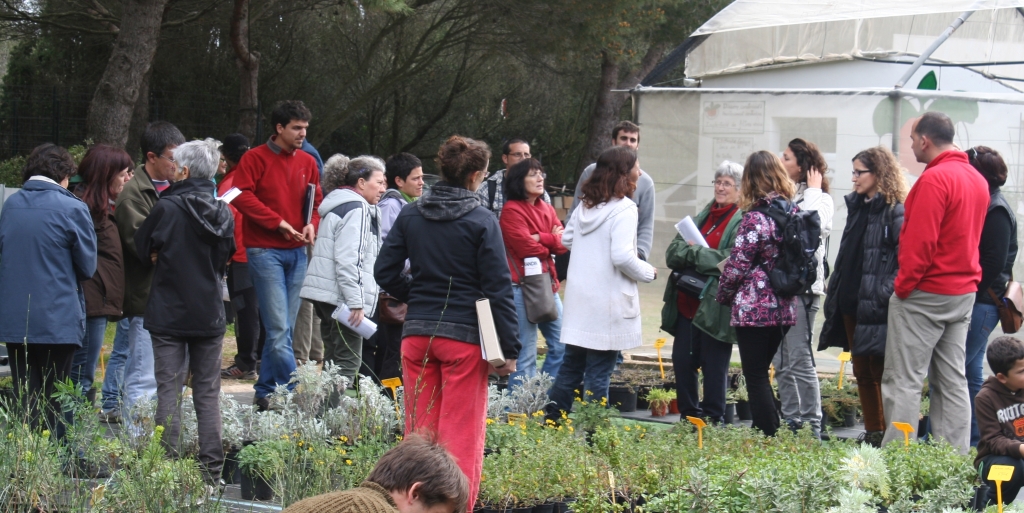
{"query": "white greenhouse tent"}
(844, 74)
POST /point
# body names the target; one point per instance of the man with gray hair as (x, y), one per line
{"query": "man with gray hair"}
(188, 238)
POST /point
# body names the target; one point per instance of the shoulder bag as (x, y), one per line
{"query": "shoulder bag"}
(390, 310)
(1010, 306)
(538, 299)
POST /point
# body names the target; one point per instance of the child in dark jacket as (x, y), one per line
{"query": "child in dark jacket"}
(999, 408)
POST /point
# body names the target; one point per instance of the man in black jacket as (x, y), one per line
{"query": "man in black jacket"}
(189, 237)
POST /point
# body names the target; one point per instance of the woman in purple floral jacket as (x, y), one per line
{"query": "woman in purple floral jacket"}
(761, 318)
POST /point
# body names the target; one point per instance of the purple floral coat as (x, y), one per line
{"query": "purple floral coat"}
(744, 282)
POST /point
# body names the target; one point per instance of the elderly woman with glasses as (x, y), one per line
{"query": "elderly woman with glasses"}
(531, 229)
(189, 237)
(703, 336)
(341, 270)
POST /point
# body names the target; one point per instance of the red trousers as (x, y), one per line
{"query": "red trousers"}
(446, 395)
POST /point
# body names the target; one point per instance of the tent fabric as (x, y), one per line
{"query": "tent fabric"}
(755, 33)
(751, 14)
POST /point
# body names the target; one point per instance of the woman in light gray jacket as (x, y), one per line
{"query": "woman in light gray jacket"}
(341, 270)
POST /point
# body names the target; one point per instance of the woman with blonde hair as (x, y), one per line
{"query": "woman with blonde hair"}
(761, 317)
(857, 306)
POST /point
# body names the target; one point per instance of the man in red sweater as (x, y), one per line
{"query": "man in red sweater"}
(273, 179)
(930, 311)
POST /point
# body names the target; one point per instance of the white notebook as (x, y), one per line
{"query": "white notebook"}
(489, 345)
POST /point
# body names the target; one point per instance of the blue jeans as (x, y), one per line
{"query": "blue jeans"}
(139, 379)
(83, 365)
(277, 275)
(591, 367)
(984, 318)
(526, 365)
(114, 377)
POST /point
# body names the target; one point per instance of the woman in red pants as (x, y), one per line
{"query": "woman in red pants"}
(456, 257)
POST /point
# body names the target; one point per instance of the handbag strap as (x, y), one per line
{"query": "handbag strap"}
(719, 220)
(995, 299)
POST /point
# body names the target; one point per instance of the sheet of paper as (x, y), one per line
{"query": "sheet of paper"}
(688, 229)
(532, 266)
(721, 265)
(366, 328)
(230, 195)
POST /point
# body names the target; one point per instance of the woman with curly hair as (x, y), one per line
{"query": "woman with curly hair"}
(456, 257)
(794, 362)
(761, 316)
(857, 306)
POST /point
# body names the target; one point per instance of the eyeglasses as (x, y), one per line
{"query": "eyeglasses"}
(723, 184)
(168, 158)
(520, 155)
(486, 174)
(857, 172)
(535, 174)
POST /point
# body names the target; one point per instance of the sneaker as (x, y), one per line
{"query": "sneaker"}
(110, 416)
(235, 372)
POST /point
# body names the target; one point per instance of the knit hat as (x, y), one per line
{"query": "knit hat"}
(369, 497)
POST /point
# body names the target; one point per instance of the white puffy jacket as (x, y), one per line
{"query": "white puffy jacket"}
(818, 200)
(346, 249)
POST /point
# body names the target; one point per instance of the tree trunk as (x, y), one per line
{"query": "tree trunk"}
(608, 103)
(606, 110)
(110, 112)
(248, 63)
(140, 118)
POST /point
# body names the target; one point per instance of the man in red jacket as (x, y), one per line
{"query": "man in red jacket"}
(274, 178)
(930, 311)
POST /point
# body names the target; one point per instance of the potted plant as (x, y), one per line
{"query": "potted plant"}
(258, 462)
(659, 400)
(730, 406)
(839, 405)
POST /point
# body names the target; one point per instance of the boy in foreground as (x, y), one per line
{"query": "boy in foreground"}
(999, 407)
(417, 476)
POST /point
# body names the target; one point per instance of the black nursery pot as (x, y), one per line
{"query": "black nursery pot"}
(256, 488)
(743, 410)
(230, 472)
(730, 413)
(544, 508)
(521, 510)
(622, 397)
(980, 500)
(641, 402)
(850, 416)
(564, 506)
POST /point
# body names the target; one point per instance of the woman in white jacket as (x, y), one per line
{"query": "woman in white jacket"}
(794, 361)
(602, 307)
(347, 243)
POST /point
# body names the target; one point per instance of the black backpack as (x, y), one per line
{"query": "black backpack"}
(796, 267)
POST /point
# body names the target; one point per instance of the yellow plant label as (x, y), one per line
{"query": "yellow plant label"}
(845, 356)
(517, 417)
(611, 479)
(696, 421)
(660, 343)
(391, 382)
(1000, 473)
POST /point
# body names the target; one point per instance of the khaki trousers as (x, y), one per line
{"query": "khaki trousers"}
(306, 341)
(926, 337)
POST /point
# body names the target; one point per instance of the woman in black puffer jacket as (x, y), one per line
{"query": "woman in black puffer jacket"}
(857, 304)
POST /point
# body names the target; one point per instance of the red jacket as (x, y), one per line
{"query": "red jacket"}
(273, 184)
(945, 211)
(226, 184)
(519, 221)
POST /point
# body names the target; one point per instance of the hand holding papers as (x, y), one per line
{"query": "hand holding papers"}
(688, 229)
(366, 328)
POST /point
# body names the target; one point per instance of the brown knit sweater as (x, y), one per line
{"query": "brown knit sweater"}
(366, 498)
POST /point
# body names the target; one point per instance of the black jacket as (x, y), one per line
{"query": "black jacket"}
(997, 248)
(456, 256)
(879, 265)
(193, 236)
